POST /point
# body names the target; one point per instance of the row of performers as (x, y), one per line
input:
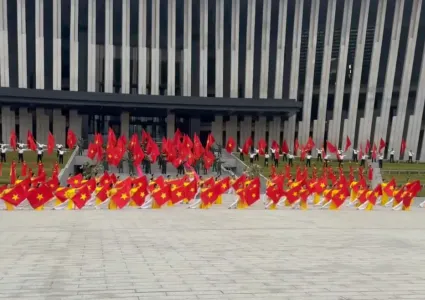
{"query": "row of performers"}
(22, 148)
(109, 192)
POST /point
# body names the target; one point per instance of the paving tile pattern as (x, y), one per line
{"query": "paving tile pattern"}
(183, 254)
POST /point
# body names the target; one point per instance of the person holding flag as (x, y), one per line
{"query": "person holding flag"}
(3, 149)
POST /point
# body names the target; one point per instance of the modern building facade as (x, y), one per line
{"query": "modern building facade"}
(274, 69)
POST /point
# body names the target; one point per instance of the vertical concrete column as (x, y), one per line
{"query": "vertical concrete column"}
(246, 128)
(22, 44)
(250, 42)
(171, 46)
(125, 124)
(4, 50)
(219, 52)
(406, 77)
(289, 131)
(125, 48)
(73, 47)
(350, 129)
(373, 78)
(142, 59)
(187, 49)
(39, 44)
(320, 123)
(381, 130)
(232, 128)
(280, 51)
(42, 125)
(8, 123)
(59, 126)
(392, 132)
(171, 125)
(155, 50)
(334, 130)
(75, 122)
(260, 129)
(25, 123)
(217, 130)
(91, 47)
(109, 47)
(274, 129)
(309, 75)
(415, 121)
(265, 48)
(203, 49)
(234, 44)
(57, 45)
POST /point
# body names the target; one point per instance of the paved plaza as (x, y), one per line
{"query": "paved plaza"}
(173, 254)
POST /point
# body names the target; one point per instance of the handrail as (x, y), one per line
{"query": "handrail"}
(68, 164)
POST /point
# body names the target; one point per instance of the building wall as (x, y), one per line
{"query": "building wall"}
(357, 66)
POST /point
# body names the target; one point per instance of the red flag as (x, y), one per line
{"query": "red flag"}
(92, 151)
(13, 140)
(122, 197)
(81, 197)
(39, 196)
(382, 145)
(31, 142)
(230, 145)
(50, 143)
(71, 139)
(16, 195)
(210, 141)
(262, 146)
(367, 149)
(309, 145)
(24, 169)
(370, 173)
(247, 145)
(347, 143)
(402, 147)
(13, 173)
(296, 146)
(331, 147)
(285, 148)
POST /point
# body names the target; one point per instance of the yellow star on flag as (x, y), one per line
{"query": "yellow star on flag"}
(39, 197)
(179, 194)
(142, 194)
(83, 197)
(163, 195)
(224, 186)
(253, 195)
(341, 197)
(210, 194)
(124, 196)
(322, 185)
(76, 181)
(15, 197)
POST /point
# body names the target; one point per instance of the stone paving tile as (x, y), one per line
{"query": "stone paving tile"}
(176, 254)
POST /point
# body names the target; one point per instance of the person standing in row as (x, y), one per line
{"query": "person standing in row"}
(290, 159)
(392, 152)
(410, 157)
(355, 155)
(266, 159)
(327, 156)
(61, 152)
(380, 160)
(363, 160)
(40, 152)
(3, 152)
(319, 154)
(251, 157)
(308, 160)
(21, 149)
(240, 154)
